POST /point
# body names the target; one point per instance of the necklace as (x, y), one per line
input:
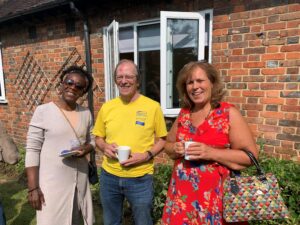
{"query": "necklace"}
(193, 128)
(207, 115)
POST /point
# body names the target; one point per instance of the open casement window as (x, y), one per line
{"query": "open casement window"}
(182, 41)
(2, 89)
(111, 58)
(160, 48)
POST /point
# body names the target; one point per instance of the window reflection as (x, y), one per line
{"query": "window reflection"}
(182, 48)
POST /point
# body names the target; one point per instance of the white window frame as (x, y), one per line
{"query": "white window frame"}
(111, 59)
(166, 78)
(2, 86)
(168, 112)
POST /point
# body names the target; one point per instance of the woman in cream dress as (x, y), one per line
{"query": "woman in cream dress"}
(58, 187)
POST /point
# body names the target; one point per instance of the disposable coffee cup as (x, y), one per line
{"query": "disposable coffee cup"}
(186, 145)
(123, 153)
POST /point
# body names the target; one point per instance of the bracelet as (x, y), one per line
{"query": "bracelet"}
(33, 189)
(150, 154)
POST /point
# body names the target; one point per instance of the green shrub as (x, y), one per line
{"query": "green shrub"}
(288, 176)
(287, 173)
(161, 180)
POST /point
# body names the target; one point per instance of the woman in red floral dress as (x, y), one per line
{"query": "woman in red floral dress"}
(218, 131)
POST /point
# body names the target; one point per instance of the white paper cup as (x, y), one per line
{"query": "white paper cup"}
(186, 145)
(123, 153)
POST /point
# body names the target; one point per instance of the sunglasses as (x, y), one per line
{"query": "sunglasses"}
(70, 83)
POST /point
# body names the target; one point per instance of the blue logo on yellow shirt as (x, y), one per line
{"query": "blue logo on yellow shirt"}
(141, 117)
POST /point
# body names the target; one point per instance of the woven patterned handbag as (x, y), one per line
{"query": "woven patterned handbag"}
(253, 197)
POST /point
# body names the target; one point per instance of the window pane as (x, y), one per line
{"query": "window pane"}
(126, 43)
(149, 60)
(182, 36)
(126, 39)
(207, 38)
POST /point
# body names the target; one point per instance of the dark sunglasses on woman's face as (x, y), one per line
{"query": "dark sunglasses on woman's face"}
(70, 83)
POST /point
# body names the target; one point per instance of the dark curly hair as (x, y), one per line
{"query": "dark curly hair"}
(80, 71)
(217, 93)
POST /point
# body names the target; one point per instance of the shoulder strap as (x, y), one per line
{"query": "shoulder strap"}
(68, 122)
(92, 153)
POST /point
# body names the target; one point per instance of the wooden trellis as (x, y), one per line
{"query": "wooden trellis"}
(33, 84)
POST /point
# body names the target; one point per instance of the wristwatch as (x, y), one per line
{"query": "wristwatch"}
(150, 155)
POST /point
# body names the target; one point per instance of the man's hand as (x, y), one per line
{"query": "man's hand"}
(110, 150)
(136, 158)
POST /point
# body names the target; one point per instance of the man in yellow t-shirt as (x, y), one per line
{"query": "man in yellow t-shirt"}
(135, 121)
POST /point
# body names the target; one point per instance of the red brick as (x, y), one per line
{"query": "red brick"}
(237, 51)
(275, 10)
(275, 26)
(235, 100)
(221, 18)
(273, 71)
(291, 86)
(235, 93)
(290, 32)
(239, 58)
(269, 128)
(254, 64)
(253, 93)
(238, 72)
(278, 56)
(254, 120)
(272, 86)
(252, 107)
(252, 113)
(291, 101)
(271, 114)
(220, 32)
(270, 135)
(273, 94)
(255, 43)
(252, 86)
(290, 108)
(294, 7)
(236, 79)
(290, 48)
(288, 130)
(290, 16)
(256, 29)
(222, 24)
(256, 21)
(277, 101)
(293, 24)
(293, 55)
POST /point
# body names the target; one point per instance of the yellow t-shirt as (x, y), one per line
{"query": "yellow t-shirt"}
(135, 124)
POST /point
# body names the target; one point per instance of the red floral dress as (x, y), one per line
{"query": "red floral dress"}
(195, 191)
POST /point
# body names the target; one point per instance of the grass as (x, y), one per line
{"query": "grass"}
(13, 194)
(14, 199)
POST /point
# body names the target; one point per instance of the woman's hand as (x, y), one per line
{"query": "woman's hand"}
(83, 150)
(199, 151)
(178, 148)
(36, 199)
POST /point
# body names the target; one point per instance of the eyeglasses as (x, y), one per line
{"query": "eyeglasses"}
(126, 77)
(70, 83)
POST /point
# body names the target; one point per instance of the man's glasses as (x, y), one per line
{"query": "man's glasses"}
(126, 77)
(70, 83)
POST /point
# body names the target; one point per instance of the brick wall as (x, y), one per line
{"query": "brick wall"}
(255, 46)
(258, 54)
